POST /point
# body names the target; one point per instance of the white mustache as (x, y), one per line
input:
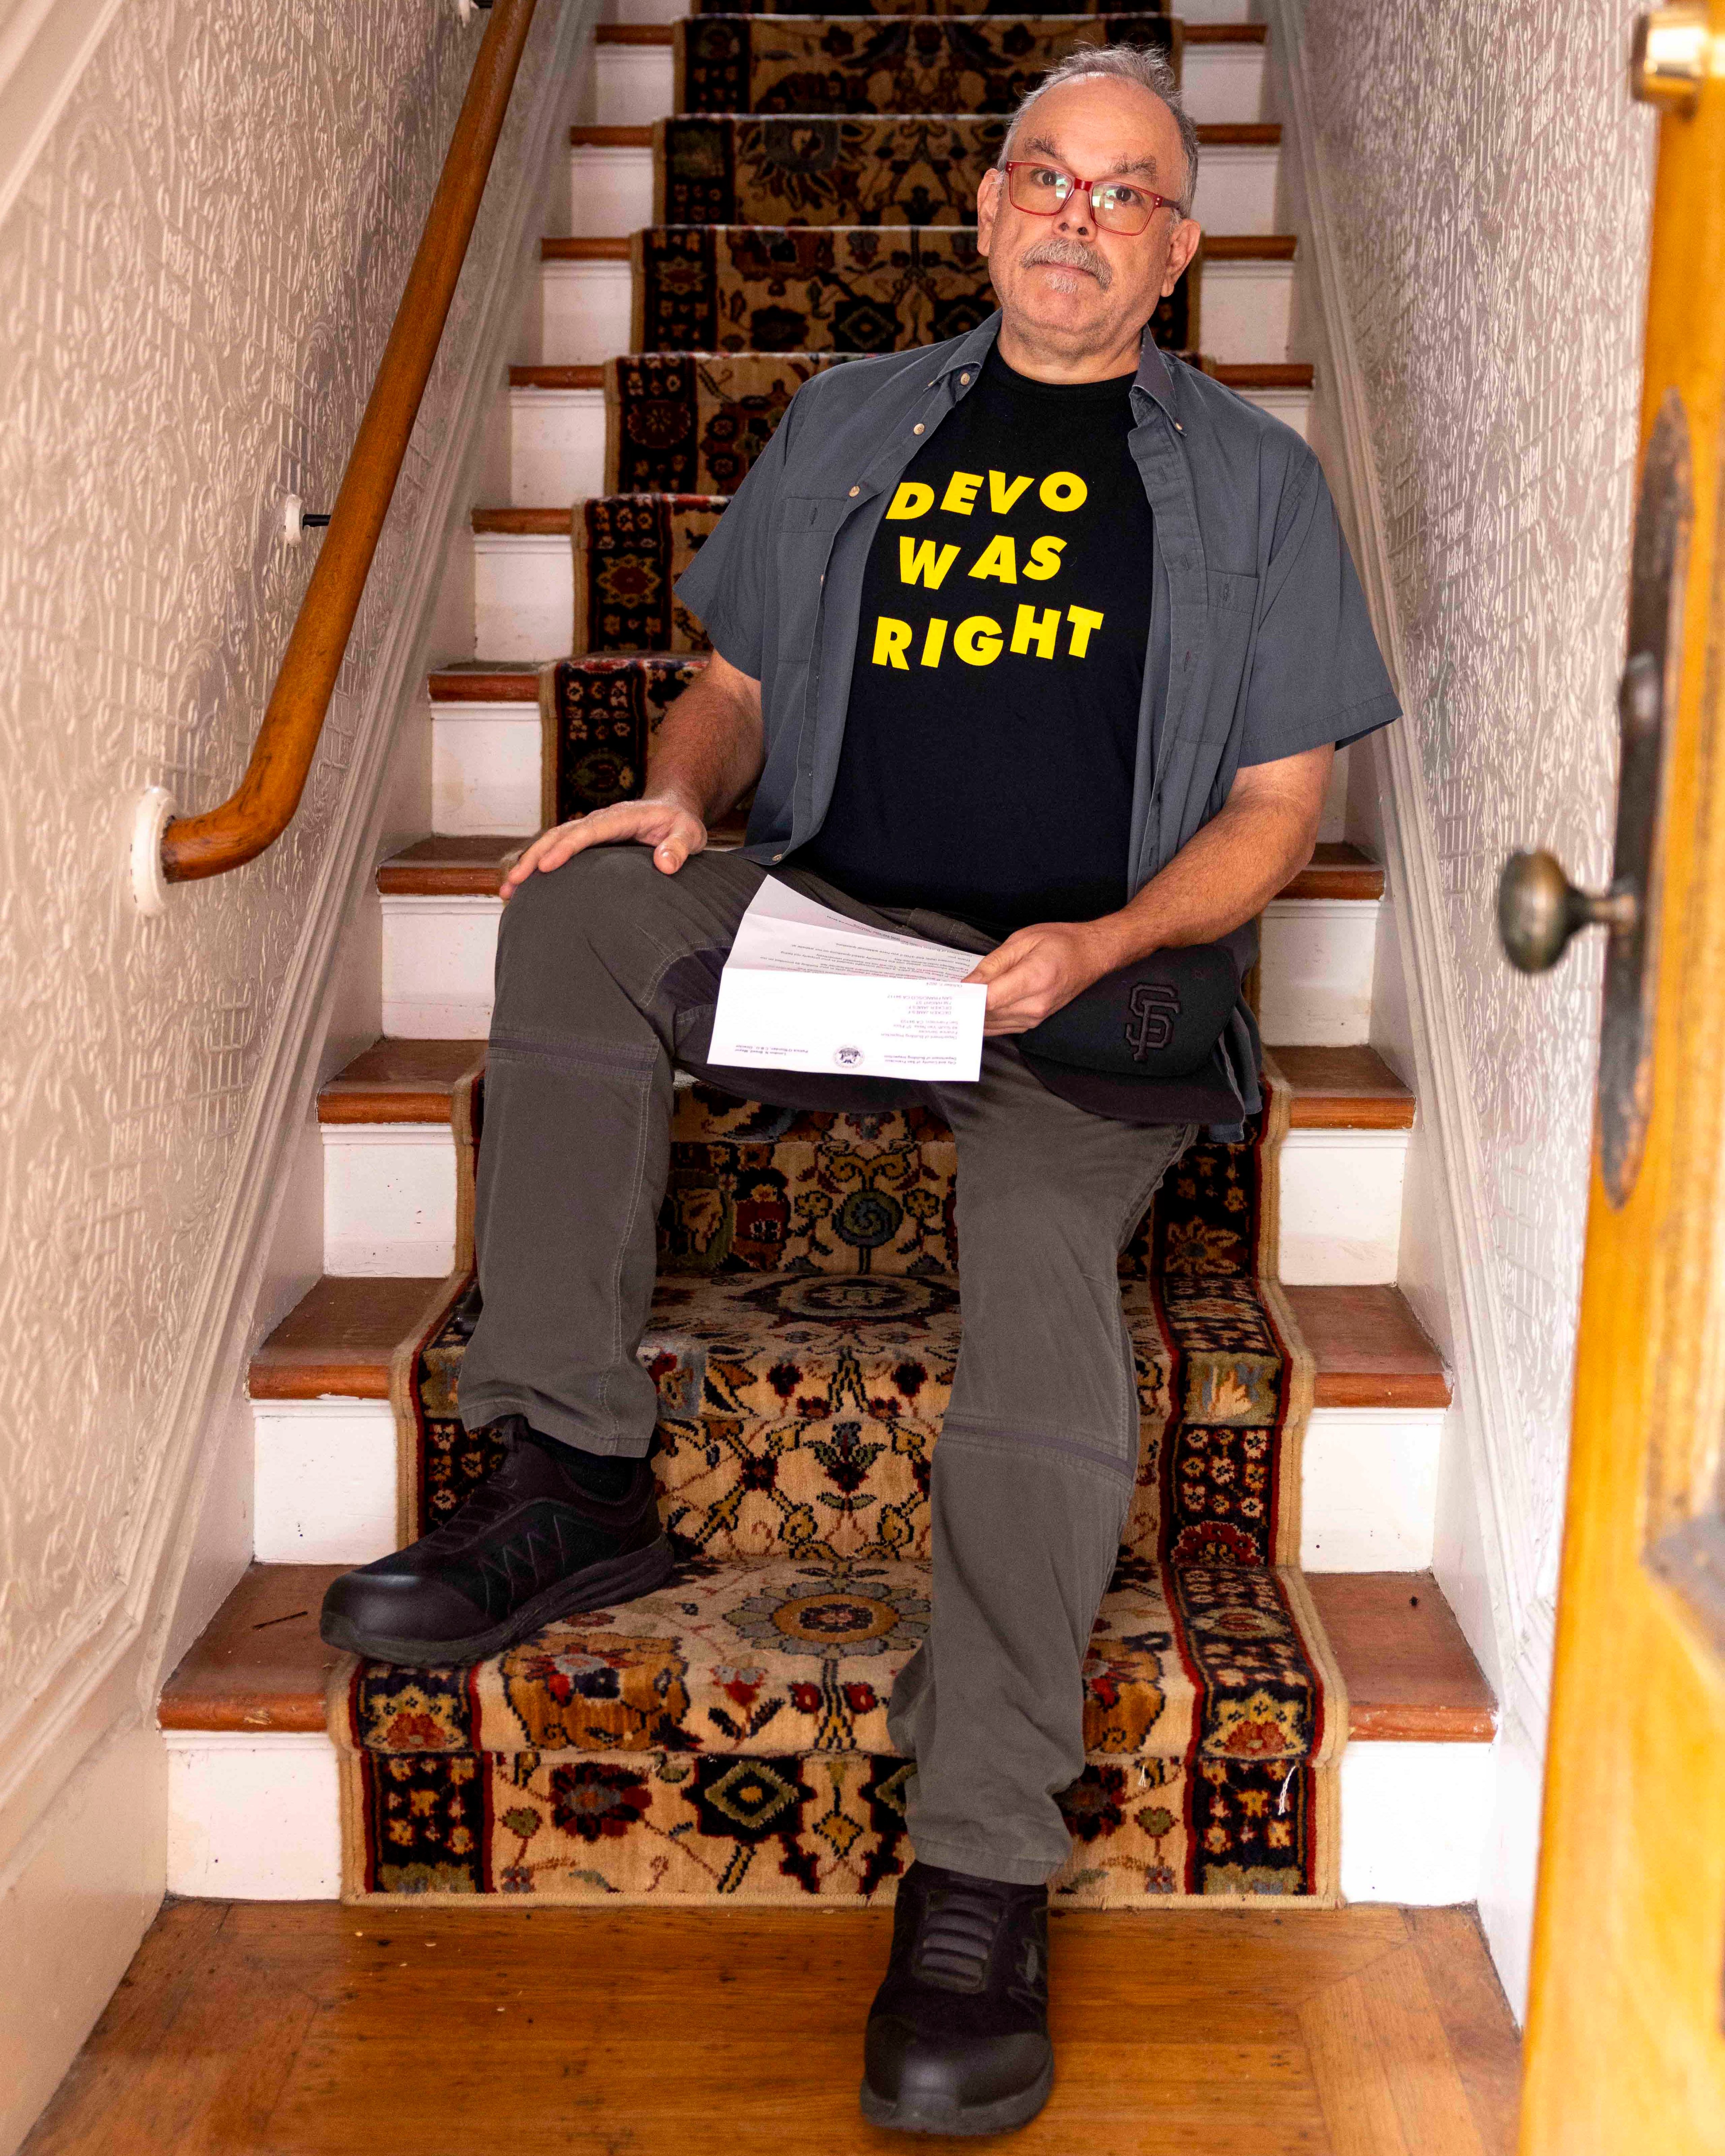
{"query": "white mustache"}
(1069, 254)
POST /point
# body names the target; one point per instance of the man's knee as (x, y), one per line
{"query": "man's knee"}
(583, 905)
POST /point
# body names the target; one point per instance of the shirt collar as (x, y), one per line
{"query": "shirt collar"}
(1152, 376)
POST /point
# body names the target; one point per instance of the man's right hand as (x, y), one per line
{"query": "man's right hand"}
(673, 831)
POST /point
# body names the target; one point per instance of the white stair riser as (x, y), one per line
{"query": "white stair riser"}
(611, 189)
(388, 1199)
(389, 1202)
(438, 957)
(258, 1819)
(557, 446)
(1341, 1206)
(523, 595)
(485, 762)
(1245, 311)
(557, 440)
(632, 85)
(1416, 1821)
(325, 1485)
(252, 1819)
(1318, 956)
(438, 954)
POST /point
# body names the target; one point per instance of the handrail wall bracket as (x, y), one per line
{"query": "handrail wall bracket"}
(150, 816)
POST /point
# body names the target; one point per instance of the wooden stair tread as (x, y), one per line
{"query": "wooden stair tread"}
(1341, 1089)
(399, 1081)
(1370, 1350)
(1337, 871)
(1218, 246)
(584, 250)
(1212, 134)
(664, 34)
(474, 681)
(1365, 1341)
(525, 523)
(260, 1665)
(412, 1081)
(446, 866)
(1252, 374)
(339, 1339)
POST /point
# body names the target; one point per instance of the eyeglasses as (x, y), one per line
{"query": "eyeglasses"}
(1115, 205)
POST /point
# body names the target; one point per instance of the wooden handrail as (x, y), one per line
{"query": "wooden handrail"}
(259, 811)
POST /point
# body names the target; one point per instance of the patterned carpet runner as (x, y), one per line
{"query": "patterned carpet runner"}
(809, 64)
(725, 1737)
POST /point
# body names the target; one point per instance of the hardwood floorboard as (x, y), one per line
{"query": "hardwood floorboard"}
(310, 2029)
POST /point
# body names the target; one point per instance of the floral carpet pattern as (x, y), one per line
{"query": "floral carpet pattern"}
(629, 550)
(727, 1736)
(951, 64)
(598, 715)
(846, 169)
(693, 422)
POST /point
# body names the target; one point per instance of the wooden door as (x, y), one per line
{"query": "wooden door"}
(1625, 2046)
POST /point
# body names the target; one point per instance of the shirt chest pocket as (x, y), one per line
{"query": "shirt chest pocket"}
(1211, 653)
(805, 527)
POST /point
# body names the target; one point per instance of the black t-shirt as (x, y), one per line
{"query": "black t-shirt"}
(992, 734)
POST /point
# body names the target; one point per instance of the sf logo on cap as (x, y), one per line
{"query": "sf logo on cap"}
(1155, 1006)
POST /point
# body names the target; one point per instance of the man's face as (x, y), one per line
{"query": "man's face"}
(1063, 283)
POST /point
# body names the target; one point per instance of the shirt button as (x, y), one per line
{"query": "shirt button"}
(917, 428)
(856, 490)
(778, 857)
(964, 380)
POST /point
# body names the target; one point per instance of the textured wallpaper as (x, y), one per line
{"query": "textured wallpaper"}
(1490, 182)
(196, 284)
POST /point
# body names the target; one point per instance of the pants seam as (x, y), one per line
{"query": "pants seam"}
(638, 1176)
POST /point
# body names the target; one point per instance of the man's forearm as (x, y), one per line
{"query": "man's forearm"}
(708, 750)
(1224, 875)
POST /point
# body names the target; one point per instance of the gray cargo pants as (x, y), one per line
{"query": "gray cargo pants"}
(606, 974)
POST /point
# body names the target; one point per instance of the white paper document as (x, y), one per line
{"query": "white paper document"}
(806, 988)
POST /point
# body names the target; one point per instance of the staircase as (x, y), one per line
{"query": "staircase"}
(254, 1799)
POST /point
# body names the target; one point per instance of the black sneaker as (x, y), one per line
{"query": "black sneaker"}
(528, 1546)
(958, 2037)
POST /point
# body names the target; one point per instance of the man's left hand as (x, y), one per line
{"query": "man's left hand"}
(1036, 970)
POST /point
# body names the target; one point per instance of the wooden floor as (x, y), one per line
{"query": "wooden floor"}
(306, 2027)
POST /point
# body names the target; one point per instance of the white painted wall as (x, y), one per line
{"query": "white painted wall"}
(206, 219)
(1475, 184)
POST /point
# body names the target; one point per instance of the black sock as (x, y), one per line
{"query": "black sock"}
(606, 1476)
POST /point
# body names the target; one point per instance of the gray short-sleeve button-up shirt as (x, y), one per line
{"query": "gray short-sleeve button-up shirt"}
(1259, 644)
(1259, 641)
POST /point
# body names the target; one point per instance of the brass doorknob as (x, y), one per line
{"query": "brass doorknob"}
(1539, 910)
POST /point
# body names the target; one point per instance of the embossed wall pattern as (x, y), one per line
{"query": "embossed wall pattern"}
(1491, 186)
(197, 282)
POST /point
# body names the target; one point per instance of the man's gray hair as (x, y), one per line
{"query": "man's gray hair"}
(1142, 65)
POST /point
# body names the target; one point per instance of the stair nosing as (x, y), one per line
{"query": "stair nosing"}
(309, 1372)
(1360, 881)
(292, 1701)
(346, 1103)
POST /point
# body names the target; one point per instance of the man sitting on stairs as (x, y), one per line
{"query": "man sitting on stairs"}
(1037, 643)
